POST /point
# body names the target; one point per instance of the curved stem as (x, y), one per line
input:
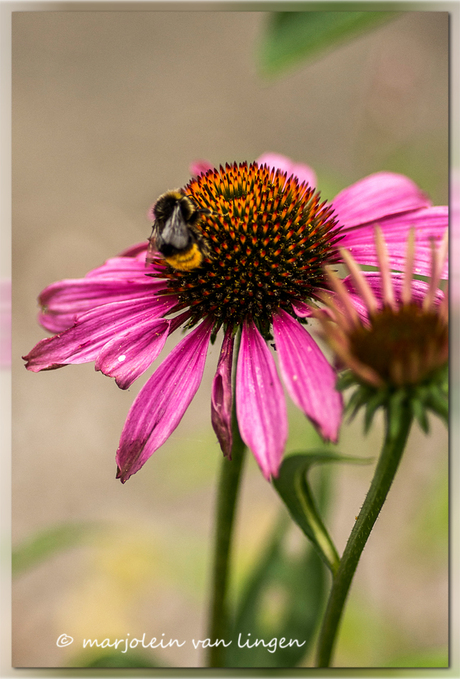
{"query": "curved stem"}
(397, 431)
(229, 484)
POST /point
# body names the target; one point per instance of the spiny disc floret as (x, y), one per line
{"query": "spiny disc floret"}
(269, 237)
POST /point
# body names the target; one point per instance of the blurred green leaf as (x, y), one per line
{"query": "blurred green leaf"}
(48, 542)
(294, 489)
(282, 600)
(294, 36)
(114, 659)
(438, 657)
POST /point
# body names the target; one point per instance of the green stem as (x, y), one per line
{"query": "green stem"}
(397, 430)
(227, 497)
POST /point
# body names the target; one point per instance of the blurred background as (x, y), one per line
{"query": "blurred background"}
(109, 110)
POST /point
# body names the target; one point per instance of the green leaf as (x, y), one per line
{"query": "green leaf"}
(279, 608)
(48, 542)
(294, 489)
(294, 36)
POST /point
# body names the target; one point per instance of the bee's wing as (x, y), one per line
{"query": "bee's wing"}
(175, 231)
(152, 247)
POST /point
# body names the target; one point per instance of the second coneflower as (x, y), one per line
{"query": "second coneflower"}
(268, 236)
(397, 346)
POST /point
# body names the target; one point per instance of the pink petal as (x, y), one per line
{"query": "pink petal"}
(162, 402)
(376, 196)
(200, 167)
(135, 250)
(419, 288)
(260, 404)
(308, 377)
(221, 397)
(126, 267)
(357, 302)
(429, 223)
(301, 309)
(83, 342)
(129, 354)
(304, 173)
(62, 301)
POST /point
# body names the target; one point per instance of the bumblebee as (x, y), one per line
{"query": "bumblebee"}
(175, 234)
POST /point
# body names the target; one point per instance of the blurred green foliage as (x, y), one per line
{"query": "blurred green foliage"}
(291, 37)
(113, 659)
(436, 657)
(283, 599)
(48, 542)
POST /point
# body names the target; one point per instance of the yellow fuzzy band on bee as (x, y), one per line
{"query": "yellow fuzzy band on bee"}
(186, 261)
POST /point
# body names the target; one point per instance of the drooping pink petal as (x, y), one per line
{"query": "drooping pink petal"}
(200, 167)
(83, 342)
(221, 397)
(308, 377)
(260, 404)
(303, 172)
(63, 301)
(428, 223)
(162, 402)
(130, 353)
(376, 196)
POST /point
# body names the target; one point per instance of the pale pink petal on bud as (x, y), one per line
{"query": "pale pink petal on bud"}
(439, 256)
(359, 280)
(382, 255)
(406, 293)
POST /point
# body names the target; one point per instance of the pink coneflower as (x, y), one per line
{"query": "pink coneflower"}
(400, 346)
(396, 353)
(269, 236)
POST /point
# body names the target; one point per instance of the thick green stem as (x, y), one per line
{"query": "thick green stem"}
(227, 496)
(397, 431)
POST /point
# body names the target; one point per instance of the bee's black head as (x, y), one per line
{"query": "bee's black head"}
(169, 202)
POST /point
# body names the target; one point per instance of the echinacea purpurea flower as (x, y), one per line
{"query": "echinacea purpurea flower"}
(270, 236)
(400, 346)
(396, 355)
